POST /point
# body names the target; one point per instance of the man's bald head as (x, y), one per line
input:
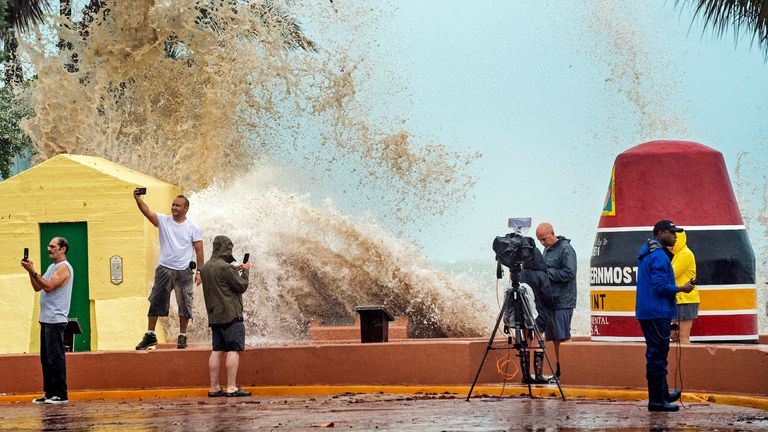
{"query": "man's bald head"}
(546, 234)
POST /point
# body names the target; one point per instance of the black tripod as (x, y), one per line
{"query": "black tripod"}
(515, 296)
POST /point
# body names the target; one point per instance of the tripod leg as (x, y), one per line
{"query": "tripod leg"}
(489, 346)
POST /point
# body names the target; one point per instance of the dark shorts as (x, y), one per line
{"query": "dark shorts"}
(229, 337)
(166, 280)
(687, 311)
(559, 324)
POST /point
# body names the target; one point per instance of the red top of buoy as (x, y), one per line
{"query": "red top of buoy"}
(683, 181)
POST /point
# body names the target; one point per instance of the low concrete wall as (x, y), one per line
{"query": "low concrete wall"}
(318, 332)
(735, 369)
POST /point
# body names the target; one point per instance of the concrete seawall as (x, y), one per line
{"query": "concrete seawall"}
(731, 369)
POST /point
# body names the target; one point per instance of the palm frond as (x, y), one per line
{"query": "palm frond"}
(744, 16)
(272, 17)
(23, 14)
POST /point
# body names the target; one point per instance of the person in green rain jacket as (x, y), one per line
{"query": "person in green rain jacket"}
(224, 283)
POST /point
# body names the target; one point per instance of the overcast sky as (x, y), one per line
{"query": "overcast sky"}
(550, 92)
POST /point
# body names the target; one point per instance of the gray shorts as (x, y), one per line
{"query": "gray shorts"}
(181, 282)
(229, 337)
(558, 324)
(687, 311)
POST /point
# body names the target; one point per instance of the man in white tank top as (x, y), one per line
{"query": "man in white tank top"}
(55, 288)
(180, 244)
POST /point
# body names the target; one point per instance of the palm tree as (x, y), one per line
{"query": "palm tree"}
(17, 15)
(749, 16)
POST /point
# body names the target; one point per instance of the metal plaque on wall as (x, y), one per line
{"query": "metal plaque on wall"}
(116, 269)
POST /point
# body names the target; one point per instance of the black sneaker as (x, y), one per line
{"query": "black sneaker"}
(40, 400)
(182, 342)
(55, 400)
(147, 342)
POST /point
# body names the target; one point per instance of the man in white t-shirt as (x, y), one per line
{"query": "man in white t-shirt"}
(180, 242)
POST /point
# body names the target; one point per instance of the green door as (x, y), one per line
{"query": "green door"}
(76, 234)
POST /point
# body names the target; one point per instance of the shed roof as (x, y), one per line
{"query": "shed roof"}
(99, 165)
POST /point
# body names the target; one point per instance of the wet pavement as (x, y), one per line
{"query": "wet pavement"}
(373, 412)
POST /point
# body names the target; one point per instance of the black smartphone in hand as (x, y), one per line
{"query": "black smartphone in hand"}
(26, 254)
(246, 257)
(140, 191)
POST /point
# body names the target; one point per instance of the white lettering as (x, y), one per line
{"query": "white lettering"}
(612, 275)
(627, 275)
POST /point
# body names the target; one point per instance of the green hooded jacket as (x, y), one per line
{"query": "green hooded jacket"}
(223, 284)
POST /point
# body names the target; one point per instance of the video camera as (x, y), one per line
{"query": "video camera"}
(513, 249)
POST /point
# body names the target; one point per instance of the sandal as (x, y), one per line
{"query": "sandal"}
(218, 393)
(238, 393)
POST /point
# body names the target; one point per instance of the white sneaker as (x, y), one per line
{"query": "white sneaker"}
(56, 400)
(40, 400)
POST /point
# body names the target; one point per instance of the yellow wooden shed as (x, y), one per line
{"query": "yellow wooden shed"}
(113, 248)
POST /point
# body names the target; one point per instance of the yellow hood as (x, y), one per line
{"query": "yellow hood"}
(682, 240)
(684, 264)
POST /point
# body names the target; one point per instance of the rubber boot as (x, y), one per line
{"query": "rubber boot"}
(525, 367)
(538, 368)
(656, 395)
(670, 396)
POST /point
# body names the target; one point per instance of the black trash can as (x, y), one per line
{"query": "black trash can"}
(374, 323)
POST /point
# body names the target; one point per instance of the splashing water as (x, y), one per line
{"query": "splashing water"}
(317, 264)
(198, 93)
(633, 73)
(192, 91)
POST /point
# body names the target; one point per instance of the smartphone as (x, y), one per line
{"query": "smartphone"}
(26, 254)
(246, 257)
(140, 191)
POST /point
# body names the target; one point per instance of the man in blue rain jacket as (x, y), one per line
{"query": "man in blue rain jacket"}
(655, 309)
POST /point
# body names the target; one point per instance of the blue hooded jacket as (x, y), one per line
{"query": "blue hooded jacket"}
(656, 289)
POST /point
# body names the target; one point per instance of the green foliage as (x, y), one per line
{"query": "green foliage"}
(13, 141)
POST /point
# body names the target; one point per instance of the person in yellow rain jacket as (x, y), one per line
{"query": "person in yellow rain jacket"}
(684, 265)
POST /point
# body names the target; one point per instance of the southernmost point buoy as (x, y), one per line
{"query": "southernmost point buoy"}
(687, 183)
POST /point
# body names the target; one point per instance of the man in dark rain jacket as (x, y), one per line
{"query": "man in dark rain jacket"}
(560, 259)
(223, 288)
(655, 308)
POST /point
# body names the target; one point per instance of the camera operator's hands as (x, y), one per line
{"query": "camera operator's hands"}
(246, 266)
(688, 287)
(28, 265)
